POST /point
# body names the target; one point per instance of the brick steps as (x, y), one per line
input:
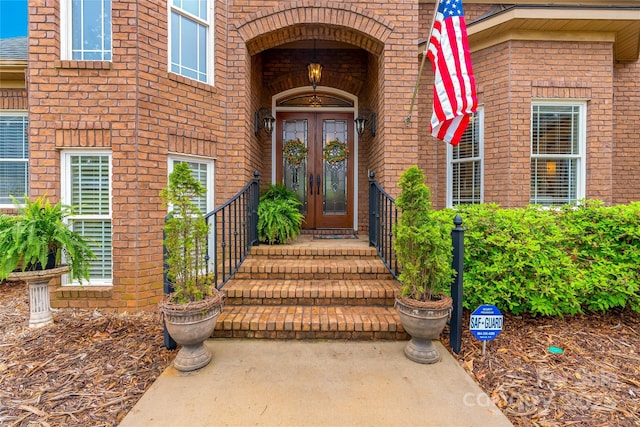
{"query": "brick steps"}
(311, 290)
(309, 322)
(309, 269)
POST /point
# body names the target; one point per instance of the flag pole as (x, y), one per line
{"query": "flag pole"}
(407, 119)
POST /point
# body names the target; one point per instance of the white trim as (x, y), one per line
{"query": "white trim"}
(329, 90)
(65, 195)
(582, 140)
(210, 39)
(65, 29)
(23, 114)
(449, 197)
(66, 33)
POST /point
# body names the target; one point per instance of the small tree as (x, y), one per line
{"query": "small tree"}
(423, 245)
(186, 233)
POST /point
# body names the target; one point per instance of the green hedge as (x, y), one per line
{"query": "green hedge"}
(551, 262)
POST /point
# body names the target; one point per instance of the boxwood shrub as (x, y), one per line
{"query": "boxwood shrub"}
(565, 261)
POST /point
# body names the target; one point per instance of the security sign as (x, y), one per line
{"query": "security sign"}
(486, 322)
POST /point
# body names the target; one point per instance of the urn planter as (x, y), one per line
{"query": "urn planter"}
(190, 325)
(424, 323)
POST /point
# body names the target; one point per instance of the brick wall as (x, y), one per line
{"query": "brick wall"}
(626, 136)
(134, 107)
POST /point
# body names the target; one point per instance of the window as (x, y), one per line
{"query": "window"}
(465, 164)
(87, 187)
(203, 172)
(191, 39)
(86, 29)
(557, 152)
(14, 157)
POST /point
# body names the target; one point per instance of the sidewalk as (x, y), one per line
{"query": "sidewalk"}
(315, 383)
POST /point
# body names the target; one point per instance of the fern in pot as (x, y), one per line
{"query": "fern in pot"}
(279, 217)
(37, 245)
(190, 313)
(424, 251)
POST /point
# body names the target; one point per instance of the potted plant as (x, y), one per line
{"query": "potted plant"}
(279, 217)
(424, 251)
(34, 245)
(191, 311)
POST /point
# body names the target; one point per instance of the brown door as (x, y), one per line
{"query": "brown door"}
(324, 187)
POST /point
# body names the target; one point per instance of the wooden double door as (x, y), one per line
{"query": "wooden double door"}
(325, 187)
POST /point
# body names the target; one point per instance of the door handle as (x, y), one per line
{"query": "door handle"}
(311, 184)
(318, 182)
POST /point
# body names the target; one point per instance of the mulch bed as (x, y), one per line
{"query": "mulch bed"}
(594, 382)
(90, 368)
(87, 369)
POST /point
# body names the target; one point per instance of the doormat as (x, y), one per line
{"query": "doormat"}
(334, 236)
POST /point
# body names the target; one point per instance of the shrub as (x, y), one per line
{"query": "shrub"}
(185, 239)
(547, 262)
(423, 243)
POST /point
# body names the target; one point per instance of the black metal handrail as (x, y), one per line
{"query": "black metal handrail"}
(383, 217)
(233, 230)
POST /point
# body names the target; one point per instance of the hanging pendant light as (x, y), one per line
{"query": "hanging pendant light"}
(315, 69)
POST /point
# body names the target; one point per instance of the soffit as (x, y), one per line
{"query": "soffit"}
(12, 73)
(620, 25)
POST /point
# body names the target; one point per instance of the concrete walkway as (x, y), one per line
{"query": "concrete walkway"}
(315, 383)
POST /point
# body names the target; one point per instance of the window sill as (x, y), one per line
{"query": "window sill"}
(74, 292)
(83, 65)
(191, 82)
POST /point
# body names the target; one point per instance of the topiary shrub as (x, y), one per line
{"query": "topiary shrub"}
(422, 242)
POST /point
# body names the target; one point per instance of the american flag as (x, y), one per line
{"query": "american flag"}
(454, 88)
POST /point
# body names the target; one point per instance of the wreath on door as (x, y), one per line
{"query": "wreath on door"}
(294, 152)
(335, 152)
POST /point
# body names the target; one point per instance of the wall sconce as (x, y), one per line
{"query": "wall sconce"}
(263, 119)
(315, 69)
(366, 120)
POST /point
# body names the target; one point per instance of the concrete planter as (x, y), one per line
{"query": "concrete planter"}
(190, 325)
(39, 300)
(424, 324)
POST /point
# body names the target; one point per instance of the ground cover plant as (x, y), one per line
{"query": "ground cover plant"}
(552, 262)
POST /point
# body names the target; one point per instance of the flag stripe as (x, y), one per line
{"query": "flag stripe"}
(454, 89)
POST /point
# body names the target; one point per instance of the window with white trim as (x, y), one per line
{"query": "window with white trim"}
(557, 152)
(85, 28)
(14, 156)
(202, 171)
(87, 187)
(465, 171)
(191, 39)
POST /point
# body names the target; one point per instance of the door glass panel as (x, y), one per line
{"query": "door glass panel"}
(295, 173)
(334, 197)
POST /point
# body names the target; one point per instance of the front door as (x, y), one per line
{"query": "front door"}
(323, 178)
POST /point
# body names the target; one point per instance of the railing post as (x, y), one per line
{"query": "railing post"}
(254, 208)
(169, 343)
(455, 325)
(373, 209)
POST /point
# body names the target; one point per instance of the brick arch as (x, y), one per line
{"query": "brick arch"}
(305, 20)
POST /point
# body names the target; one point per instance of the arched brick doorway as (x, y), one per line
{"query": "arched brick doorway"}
(359, 57)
